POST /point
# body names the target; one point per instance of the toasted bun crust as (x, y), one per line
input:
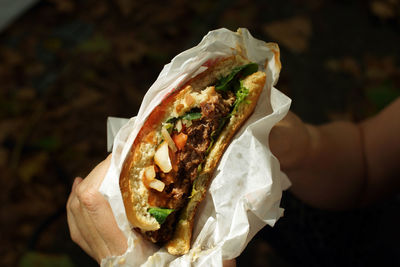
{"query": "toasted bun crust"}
(135, 194)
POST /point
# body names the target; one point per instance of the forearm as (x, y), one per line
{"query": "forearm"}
(332, 175)
(340, 165)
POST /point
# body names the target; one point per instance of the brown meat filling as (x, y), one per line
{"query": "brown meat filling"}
(179, 182)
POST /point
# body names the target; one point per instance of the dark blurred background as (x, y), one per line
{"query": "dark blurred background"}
(65, 65)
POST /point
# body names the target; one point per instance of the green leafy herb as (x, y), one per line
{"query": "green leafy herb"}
(241, 95)
(231, 82)
(192, 116)
(160, 214)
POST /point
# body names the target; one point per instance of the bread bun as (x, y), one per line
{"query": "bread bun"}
(135, 192)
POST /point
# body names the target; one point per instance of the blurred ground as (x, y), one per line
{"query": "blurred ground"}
(66, 65)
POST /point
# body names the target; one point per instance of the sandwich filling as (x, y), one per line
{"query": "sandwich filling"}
(184, 142)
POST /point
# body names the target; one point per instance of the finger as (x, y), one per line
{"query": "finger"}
(85, 224)
(100, 212)
(95, 221)
(72, 207)
(92, 236)
(75, 234)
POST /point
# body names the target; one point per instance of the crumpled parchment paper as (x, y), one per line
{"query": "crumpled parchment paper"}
(246, 190)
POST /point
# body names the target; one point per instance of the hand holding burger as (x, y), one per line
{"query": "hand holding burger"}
(91, 222)
(90, 219)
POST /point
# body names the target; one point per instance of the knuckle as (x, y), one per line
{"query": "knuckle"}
(88, 199)
(73, 205)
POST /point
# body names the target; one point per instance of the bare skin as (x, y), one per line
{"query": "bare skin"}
(340, 165)
(90, 219)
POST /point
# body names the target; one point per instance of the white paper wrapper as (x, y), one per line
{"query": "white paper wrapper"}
(114, 124)
(246, 190)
